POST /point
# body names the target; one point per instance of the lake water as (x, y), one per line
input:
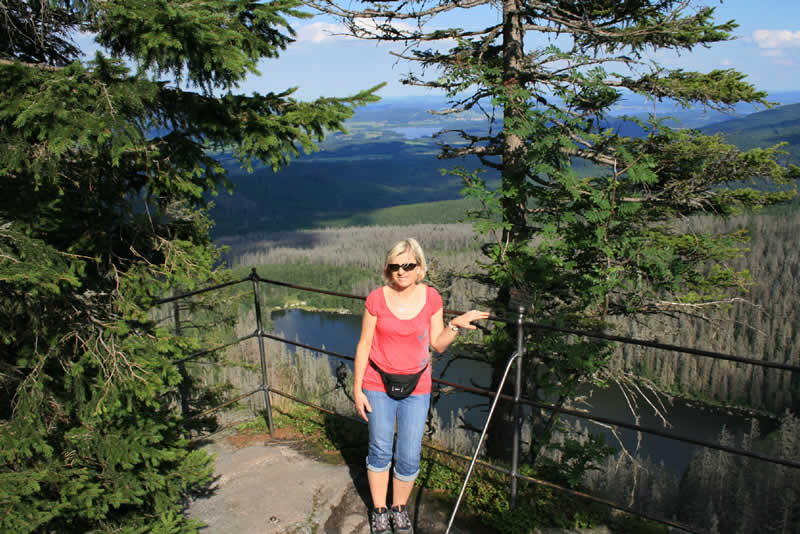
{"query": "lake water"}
(340, 333)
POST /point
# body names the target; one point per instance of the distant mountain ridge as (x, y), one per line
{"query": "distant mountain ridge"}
(764, 129)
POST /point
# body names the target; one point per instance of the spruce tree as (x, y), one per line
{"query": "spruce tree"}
(586, 224)
(107, 166)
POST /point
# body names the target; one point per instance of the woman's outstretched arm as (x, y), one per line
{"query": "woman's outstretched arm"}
(442, 337)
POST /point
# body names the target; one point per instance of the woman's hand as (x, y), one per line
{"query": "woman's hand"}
(465, 320)
(362, 404)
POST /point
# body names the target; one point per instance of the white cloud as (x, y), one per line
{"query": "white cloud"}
(777, 38)
(772, 52)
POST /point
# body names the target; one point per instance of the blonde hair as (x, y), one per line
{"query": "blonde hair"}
(401, 247)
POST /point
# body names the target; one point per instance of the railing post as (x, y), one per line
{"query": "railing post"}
(259, 333)
(184, 387)
(517, 418)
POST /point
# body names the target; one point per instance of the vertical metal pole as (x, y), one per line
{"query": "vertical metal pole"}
(259, 334)
(480, 441)
(517, 418)
(184, 387)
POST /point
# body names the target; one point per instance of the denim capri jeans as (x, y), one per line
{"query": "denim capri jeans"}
(410, 414)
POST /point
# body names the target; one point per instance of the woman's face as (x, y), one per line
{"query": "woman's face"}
(402, 278)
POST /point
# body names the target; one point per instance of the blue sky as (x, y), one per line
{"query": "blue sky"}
(766, 49)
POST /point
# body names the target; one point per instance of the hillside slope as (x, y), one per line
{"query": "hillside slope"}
(764, 129)
(388, 159)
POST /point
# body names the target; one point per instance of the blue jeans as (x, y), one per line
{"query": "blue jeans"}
(410, 414)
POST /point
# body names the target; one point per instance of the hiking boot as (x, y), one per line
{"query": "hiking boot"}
(401, 523)
(379, 521)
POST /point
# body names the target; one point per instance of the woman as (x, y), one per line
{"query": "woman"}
(401, 320)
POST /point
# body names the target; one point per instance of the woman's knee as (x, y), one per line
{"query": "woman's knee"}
(406, 463)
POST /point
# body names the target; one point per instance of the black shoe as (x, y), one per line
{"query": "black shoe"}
(401, 523)
(379, 521)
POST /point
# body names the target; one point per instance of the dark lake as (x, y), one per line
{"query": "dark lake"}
(413, 132)
(340, 333)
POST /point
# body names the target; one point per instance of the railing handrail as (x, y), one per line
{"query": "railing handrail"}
(560, 409)
(538, 326)
(179, 296)
(489, 393)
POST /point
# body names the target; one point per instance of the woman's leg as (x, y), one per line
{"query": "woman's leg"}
(381, 440)
(401, 491)
(378, 487)
(412, 412)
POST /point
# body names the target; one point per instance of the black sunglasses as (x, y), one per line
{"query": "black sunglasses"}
(394, 267)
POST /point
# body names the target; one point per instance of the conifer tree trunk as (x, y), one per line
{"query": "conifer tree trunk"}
(514, 169)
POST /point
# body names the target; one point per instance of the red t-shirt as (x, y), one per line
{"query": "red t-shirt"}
(400, 346)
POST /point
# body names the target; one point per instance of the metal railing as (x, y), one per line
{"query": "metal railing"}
(517, 399)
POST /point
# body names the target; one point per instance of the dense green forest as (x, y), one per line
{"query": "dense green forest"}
(387, 158)
(106, 165)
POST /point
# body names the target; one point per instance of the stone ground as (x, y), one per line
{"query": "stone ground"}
(279, 484)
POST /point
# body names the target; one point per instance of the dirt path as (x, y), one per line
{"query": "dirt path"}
(279, 485)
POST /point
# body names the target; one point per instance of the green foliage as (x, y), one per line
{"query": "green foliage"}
(576, 458)
(487, 494)
(105, 175)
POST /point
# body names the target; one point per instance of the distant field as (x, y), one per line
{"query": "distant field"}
(441, 212)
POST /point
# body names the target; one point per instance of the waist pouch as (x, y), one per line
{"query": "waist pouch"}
(398, 387)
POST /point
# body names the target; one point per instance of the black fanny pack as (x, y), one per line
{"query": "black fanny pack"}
(398, 386)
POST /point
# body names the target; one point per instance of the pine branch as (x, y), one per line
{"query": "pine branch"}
(331, 8)
(39, 66)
